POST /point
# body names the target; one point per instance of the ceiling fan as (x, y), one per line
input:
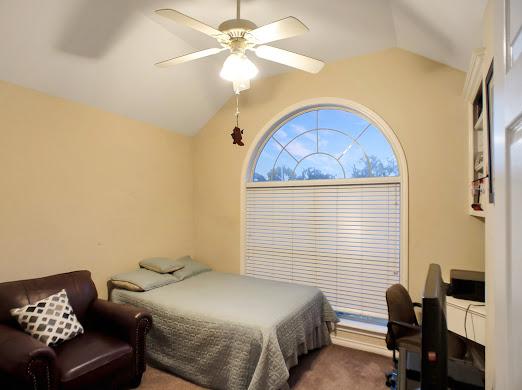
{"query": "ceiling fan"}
(239, 36)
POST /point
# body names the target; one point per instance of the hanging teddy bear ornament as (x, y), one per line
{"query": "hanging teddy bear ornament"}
(237, 136)
(237, 133)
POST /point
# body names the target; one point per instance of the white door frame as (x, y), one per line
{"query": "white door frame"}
(504, 224)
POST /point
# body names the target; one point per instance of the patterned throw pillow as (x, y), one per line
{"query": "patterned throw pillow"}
(51, 320)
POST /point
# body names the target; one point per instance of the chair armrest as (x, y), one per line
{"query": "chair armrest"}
(26, 359)
(393, 336)
(126, 322)
(403, 325)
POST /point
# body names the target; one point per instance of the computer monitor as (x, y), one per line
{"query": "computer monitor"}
(434, 355)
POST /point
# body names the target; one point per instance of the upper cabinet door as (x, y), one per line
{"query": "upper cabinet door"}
(513, 60)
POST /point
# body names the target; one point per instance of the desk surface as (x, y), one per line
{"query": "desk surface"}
(476, 307)
(467, 323)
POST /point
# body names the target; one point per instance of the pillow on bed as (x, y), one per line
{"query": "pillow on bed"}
(190, 268)
(161, 265)
(141, 280)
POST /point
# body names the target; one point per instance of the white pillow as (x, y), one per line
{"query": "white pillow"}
(141, 280)
(161, 265)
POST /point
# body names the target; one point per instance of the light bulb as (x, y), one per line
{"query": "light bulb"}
(238, 68)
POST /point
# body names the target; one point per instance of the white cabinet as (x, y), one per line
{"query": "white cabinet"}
(467, 319)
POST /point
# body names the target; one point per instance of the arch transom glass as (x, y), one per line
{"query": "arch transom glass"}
(325, 143)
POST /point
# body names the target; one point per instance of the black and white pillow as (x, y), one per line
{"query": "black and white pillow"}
(50, 320)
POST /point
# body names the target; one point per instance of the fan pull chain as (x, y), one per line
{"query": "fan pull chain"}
(237, 110)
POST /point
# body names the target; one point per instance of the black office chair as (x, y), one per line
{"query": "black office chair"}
(403, 327)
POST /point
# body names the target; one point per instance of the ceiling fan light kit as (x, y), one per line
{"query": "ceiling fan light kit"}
(238, 67)
(242, 35)
(239, 36)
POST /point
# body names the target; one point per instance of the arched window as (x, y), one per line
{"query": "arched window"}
(324, 207)
(325, 143)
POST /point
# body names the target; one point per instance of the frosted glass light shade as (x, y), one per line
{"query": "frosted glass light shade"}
(238, 67)
(240, 85)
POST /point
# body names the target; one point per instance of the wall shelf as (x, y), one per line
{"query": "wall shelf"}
(475, 94)
(477, 213)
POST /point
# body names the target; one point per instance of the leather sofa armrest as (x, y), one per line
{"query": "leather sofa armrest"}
(127, 322)
(26, 359)
(121, 318)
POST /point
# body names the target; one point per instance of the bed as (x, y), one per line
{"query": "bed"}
(232, 332)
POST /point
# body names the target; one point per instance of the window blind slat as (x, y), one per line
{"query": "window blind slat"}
(344, 239)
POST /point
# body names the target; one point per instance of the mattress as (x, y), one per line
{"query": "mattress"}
(232, 332)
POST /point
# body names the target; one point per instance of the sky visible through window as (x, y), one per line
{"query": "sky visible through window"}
(326, 144)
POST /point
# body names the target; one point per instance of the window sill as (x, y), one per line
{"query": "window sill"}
(365, 327)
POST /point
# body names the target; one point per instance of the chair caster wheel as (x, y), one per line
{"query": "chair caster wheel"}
(391, 380)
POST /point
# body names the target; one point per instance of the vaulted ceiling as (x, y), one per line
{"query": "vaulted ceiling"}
(101, 52)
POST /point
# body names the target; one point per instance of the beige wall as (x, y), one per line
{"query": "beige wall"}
(422, 102)
(85, 189)
(81, 188)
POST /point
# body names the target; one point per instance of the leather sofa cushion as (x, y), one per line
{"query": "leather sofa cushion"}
(90, 351)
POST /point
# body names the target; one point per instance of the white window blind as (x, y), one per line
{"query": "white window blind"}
(344, 239)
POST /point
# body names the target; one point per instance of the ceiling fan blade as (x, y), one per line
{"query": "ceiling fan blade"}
(282, 29)
(190, 57)
(289, 58)
(178, 17)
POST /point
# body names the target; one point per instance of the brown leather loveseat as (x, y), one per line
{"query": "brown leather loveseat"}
(109, 355)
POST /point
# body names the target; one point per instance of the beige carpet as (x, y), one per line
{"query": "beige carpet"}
(330, 368)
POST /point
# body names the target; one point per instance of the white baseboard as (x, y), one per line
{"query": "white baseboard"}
(356, 344)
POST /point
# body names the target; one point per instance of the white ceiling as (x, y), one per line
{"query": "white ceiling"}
(101, 52)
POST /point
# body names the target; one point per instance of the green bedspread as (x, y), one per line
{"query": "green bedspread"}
(232, 332)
